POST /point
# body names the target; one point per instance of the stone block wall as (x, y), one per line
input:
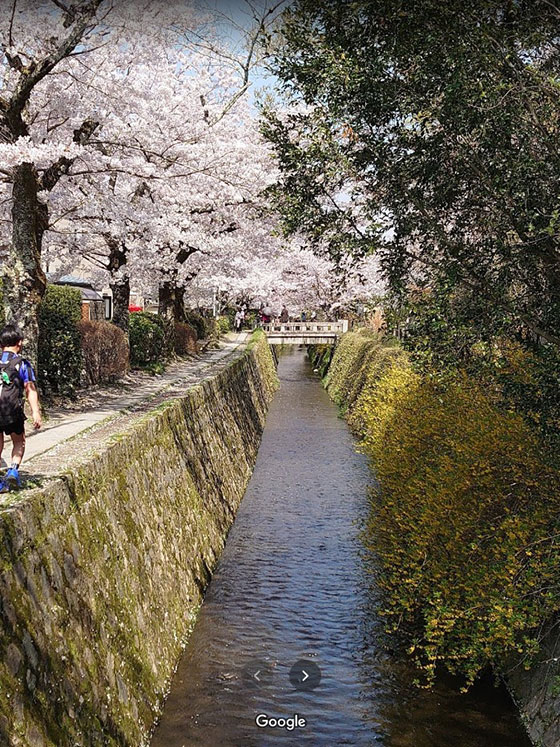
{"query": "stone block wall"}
(537, 691)
(103, 568)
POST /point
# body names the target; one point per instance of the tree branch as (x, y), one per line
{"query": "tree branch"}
(35, 72)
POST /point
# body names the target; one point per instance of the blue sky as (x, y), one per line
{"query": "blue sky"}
(240, 12)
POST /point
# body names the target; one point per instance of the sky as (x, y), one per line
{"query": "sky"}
(237, 16)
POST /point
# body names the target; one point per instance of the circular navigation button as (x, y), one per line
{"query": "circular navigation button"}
(305, 675)
(257, 674)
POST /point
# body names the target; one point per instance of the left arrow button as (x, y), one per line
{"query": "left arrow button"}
(257, 674)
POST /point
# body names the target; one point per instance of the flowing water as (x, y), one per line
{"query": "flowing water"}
(294, 584)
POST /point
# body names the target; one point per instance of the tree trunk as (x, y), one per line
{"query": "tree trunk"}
(180, 315)
(121, 299)
(167, 299)
(171, 301)
(24, 280)
(119, 284)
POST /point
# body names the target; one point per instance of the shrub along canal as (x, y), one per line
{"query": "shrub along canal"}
(293, 585)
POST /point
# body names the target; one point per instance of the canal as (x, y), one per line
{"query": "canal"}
(288, 624)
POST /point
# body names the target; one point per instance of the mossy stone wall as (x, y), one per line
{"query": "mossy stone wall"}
(537, 691)
(102, 570)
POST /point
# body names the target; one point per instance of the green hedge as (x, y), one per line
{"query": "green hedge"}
(60, 359)
(147, 339)
(196, 321)
(320, 357)
(206, 326)
(224, 324)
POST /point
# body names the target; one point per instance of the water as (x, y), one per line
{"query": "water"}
(293, 584)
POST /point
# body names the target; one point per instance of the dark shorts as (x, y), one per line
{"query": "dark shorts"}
(17, 427)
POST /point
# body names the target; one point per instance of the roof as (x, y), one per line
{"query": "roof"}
(88, 294)
(74, 280)
(84, 286)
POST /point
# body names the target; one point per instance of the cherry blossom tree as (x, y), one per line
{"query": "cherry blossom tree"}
(122, 142)
(30, 53)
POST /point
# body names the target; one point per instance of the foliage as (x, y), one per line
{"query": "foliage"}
(60, 359)
(530, 378)
(224, 324)
(197, 322)
(348, 365)
(464, 521)
(320, 357)
(147, 339)
(526, 373)
(185, 339)
(206, 326)
(438, 122)
(105, 351)
(126, 212)
(250, 320)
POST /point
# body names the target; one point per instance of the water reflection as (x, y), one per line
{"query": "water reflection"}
(293, 584)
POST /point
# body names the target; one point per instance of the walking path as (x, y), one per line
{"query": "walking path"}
(66, 435)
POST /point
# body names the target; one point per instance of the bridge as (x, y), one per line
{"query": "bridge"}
(304, 333)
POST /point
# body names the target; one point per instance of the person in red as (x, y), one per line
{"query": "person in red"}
(16, 379)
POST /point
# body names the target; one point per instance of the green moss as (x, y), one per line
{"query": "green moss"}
(129, 569)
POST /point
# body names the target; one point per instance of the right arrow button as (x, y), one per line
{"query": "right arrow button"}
(305, 675)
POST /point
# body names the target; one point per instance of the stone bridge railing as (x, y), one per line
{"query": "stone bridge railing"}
(304, 333)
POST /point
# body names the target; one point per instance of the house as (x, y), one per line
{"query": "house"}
(95, 306)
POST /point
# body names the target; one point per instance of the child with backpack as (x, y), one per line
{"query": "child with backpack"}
(16, 379)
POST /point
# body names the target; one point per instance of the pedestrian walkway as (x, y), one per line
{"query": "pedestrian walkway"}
(67, 433)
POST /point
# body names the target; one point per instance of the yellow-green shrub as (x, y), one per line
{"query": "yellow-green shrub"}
(464, 522)
(348, 363)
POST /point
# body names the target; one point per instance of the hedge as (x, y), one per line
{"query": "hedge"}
(320, 356)
(60, 357)
(197, 321)
(224, 324)
(185, 339)
(206, 326)
(464, 519)
(105, 351)
(147, 339)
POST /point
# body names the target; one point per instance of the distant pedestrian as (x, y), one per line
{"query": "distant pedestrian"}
(303, 316)
(16, 379)
(284, 315)
(238, 320)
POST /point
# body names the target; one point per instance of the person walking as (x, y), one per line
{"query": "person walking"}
(16, 379)
(284, 315)
(239, 319)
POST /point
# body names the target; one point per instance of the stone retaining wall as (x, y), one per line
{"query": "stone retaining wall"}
(537, 692)
(102, 569)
